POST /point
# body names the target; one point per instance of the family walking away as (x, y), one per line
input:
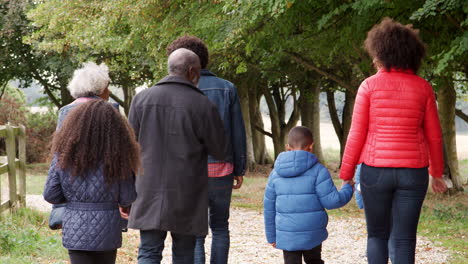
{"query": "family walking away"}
(173, 165)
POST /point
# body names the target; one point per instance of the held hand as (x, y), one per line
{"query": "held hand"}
(124, 212)
(273, 244)
(350, 182)
(438, 185)
(239, 180)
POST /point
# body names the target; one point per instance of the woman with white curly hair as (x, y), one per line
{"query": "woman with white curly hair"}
(89, 82)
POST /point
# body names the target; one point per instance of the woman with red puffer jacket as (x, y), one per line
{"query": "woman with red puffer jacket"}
(396, 134)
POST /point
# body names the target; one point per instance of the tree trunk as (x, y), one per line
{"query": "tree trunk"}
(275, 121)
(128, 93)
(243, 91)
(309, 103)
(334, 115)
(65, 95)
(276, 100)
(447, 96)
(341, 127)
(258, 138)
(346, 119)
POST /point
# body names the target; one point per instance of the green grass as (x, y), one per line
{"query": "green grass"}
(26, 238)
(463, 166)
(444, 218)
(36, 175)
(250, 195)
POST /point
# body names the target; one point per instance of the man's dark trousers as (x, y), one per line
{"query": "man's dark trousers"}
(219, 195)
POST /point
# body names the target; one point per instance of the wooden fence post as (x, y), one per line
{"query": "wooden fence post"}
(11, 156)
(22, 165)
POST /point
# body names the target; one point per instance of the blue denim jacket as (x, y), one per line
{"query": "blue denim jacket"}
(224, 95)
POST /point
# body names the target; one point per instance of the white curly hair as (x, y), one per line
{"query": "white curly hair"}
(90, 79)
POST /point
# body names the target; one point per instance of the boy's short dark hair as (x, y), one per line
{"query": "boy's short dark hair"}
(191, 43)
(300, 137)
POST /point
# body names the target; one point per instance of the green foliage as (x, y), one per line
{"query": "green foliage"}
(39, 132)
(24, 236)
(12, 108)
(39, 126)
(20, 61)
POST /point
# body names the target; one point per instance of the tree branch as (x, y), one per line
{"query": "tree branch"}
(47, 87)
(261, 130)
(461, 115)
(334, 115)
(295, 115)
(309, 65)
(3, 89)
(117, 99)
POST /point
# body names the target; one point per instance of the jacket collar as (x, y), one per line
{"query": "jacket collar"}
(178, 80)
(206, 72)
(409, 71)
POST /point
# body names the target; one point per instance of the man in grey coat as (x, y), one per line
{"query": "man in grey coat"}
(177, 128)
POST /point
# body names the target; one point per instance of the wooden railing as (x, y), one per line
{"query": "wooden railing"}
(13, 166)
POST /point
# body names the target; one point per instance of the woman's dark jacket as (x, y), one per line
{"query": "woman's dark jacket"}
(91, 220)
(177, 127)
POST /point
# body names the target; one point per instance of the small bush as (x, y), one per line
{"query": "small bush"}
(39, 131)
(39, 126)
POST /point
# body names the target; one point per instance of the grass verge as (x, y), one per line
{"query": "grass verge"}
(26, 238)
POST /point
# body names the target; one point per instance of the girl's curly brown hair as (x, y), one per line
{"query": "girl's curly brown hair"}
(394, 45)
(191, 43)
(95, 134)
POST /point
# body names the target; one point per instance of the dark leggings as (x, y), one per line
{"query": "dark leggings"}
(311, 256)
(393, 198)
(92, 257)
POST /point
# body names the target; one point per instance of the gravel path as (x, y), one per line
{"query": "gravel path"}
(346, 242)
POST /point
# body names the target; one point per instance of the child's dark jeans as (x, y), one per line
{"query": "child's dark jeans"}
(311, 256)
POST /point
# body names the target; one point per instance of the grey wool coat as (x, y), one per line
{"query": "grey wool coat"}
(177, 127)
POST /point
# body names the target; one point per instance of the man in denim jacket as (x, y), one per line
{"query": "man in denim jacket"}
(221, 173)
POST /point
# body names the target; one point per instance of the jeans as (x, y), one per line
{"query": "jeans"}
(311, 256)
(219, 196)
(393, 198)
(92, 257)
(152, 245)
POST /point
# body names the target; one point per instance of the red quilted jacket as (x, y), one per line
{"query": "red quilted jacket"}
(395, 124)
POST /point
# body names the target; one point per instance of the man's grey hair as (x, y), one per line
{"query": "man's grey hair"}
(180, 61)
(90, 79)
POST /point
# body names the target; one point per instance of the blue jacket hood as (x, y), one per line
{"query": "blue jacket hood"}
(294, 163)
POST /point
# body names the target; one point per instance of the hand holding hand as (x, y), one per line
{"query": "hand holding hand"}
(438, 185)
(350, 182)
(239, 180)
(124, 212)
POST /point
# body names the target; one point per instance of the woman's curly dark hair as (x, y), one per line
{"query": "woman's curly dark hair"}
(95, 134)
(191, 43)
(394, 45)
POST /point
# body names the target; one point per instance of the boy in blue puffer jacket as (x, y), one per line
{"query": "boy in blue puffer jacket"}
(299, 190)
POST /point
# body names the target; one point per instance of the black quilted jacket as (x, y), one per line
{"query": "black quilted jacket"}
(91, 220)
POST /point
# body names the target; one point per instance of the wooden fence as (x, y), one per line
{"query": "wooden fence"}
(13, 166)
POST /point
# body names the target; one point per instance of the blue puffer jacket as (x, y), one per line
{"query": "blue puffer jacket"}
(298, 192)
(91, 220)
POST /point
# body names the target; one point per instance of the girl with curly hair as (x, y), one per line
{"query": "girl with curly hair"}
(95, 155)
